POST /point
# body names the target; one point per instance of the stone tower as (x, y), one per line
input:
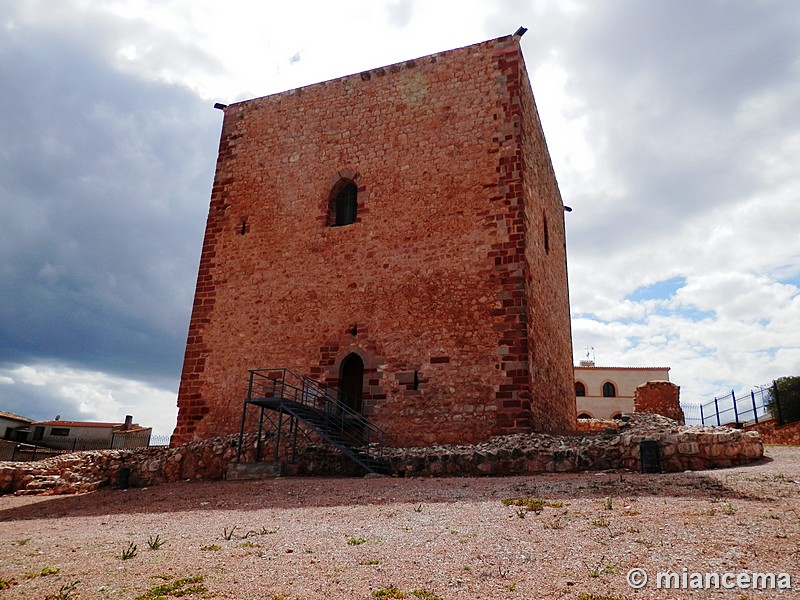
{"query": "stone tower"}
(399, 233)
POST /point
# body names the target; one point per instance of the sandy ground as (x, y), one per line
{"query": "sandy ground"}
(447, 538)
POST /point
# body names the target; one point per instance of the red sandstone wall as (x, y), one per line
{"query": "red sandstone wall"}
(431, 276)
(772, 433)
(660, 398)
(547, 291)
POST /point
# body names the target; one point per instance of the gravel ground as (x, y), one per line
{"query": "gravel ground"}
(448, 538)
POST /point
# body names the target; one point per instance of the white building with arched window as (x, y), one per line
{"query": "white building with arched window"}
(607, 392)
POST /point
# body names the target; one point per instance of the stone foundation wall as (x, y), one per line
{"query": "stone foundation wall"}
(596, 425)
(772, 433)
(681, 448)
(661, 398)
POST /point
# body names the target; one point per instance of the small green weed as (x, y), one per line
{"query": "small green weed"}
(611, 568)
(418, 509)
(371, 561)
(43, 573)
(22, 542)
(229, 534)
(425, 595)
(180, 587)
(601, 522)
(390, 592)
(355, 541)
(511, 586)
(597, 569)
(155, 542)
(6, 583)
(211, 548)
(608, 504)
(729, 509)
(393, 592)
(65, 592)
(129, 552)
(593, 596)
(527, 503)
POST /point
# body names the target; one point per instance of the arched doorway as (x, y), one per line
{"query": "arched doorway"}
(351, 382)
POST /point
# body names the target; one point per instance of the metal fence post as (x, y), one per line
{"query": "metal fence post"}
(735, 410)
(755, 411)
(716, 409)
(702, 418)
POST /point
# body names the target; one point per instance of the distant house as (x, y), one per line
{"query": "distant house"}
(10, 424)
(607, 392)
(89, 435)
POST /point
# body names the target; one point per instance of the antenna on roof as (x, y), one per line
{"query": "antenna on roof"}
(521, 31)
(588, 362)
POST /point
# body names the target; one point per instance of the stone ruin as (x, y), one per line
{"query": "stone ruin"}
(681, 448)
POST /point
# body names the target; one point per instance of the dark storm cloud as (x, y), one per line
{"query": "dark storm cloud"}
(104, 183)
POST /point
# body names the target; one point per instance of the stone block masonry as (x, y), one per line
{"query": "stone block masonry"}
(772, 433)
(439, 296)
(681, 448)
(659, 397)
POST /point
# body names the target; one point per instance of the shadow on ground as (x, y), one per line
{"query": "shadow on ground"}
(747, 482)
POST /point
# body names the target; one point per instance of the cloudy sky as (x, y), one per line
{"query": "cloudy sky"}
(674, 127)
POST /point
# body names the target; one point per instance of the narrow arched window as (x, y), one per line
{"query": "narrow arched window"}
(580, 389)
(345, 205)
(546, 234)
(609, 391)
(584, 416)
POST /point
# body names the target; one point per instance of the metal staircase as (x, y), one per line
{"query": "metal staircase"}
(301, 402)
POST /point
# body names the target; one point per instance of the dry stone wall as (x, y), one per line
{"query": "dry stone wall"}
(681, 448)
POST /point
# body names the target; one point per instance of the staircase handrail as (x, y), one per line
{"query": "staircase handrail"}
(288, 385)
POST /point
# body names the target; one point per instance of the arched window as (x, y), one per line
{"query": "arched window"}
(580, 389)
(546, 234)
(617, 416)
(609, 390)
(345, 204)
(584, 416)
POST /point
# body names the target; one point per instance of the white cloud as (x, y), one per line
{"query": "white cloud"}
(86, 395)
(674, 129)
